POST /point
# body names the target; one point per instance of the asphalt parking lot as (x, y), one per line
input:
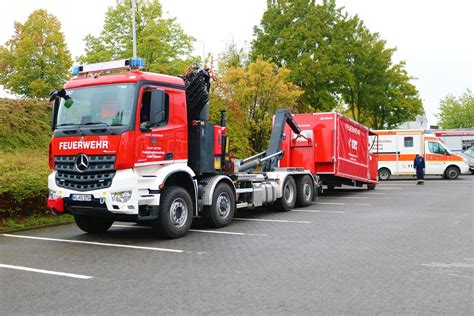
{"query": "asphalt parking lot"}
(401, 248)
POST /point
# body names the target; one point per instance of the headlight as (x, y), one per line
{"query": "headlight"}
(122, 197)
(53, 194)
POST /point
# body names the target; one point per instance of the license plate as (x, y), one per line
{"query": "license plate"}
(81, 197)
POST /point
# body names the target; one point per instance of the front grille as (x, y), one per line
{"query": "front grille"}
(98, 174)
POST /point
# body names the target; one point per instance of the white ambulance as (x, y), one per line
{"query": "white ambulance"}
(396, 150)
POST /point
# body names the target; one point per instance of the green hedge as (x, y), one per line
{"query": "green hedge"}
(24, 136)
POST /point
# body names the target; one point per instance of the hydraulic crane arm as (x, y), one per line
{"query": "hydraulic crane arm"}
(282, 116)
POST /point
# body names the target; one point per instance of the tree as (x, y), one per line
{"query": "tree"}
(337, 61)
(36, 59)
(161, 42)
(457, 112)
(253, 94)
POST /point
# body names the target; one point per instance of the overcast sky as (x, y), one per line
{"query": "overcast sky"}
(434, 37)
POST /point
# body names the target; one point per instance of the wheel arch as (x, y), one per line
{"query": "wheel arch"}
(211, 186)
(184, 180)
(452, 166)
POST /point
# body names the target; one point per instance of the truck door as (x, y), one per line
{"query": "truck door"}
(155, 134)
(435, 158)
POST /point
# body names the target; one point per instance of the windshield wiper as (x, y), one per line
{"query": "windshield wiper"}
(106, 126)
(77, 126)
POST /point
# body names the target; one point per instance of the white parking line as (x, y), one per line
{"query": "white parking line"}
(96, 243)
(340, 203)
(270, 220)
(70, 275)
(225, 233)
(202, 231)
(354, 197)
(318, 211)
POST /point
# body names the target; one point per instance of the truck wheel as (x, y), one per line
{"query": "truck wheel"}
(384, 174)
(93, 225)
(221, 212)
(370, 186)
(305, 191)
(451, 173)
(287, 201)
(176, 213)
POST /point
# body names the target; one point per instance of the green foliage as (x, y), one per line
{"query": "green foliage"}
(162, 42)
(34, 221)
(253, 95)
(336, 61)
(24, 124)
(23, 182)
(24, 136)
(457, 112)
(36, 59)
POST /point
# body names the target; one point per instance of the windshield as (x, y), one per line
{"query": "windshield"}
(469, 152)
(111, 105)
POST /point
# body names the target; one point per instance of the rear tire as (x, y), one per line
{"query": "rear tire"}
(384, 174)
(451, 173)
(221, 212)
(93, 225)
(287, 201)
(176, 213)
(304, 190)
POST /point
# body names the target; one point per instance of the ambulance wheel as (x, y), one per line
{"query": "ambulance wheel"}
(384, 174)
(93, 225)
(176, 213)
(451, 173)
(221, 212)
(370, 186)
(305, 191)
(287, 201)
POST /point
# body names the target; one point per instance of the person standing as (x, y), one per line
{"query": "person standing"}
(419, 165)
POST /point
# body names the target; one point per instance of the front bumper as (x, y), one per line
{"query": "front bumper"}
(102, 202)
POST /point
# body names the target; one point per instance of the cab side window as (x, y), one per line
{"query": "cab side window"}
(436, 148)
(145, 109)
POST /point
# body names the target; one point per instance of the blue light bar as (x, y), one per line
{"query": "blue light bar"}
(137, 62)
(76, 70)
(132, 63)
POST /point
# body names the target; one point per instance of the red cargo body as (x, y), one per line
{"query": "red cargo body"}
(334, 147)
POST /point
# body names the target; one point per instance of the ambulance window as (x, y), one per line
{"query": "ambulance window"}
(436, 148)
(408, 141)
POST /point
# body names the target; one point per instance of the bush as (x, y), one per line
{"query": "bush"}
(23, 183)
(24, 136)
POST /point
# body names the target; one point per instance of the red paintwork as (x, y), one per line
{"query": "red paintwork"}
(135, 146)
(56, 205)
(335, 145)
(218, 132)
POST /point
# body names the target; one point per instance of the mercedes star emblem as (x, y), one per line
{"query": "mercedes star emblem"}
(82, 162)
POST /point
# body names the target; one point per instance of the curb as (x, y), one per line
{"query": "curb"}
(13, 230)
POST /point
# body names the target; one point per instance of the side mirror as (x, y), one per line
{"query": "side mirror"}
(157, 107)
(145, 126)
(54, 114)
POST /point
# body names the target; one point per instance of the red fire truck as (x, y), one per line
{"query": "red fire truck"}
(138, 146)
(333, 147)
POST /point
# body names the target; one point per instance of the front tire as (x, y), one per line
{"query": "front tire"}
(93, 225)
(305, 191)
(287, 201)
(451, 173)
(176, 213)
(384, 174)
(221, 212)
